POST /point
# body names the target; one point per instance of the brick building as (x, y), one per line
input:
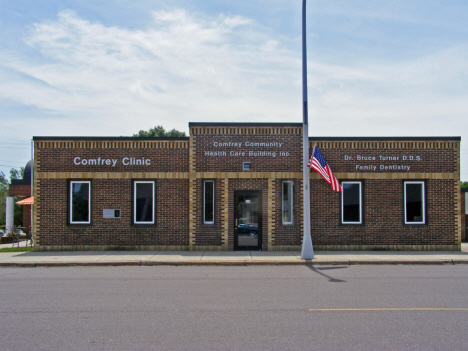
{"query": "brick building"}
(464, 213)
(22, 188)
(232, 186)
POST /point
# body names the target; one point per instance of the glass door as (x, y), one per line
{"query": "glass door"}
(247, 220)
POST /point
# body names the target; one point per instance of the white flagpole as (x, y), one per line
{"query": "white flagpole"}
(307, 252)
(311, 157)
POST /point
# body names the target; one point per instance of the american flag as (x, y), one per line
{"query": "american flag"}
(318, 163)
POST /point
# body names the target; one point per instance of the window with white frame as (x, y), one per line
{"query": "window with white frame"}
(466, 203)
(351, 202)
(144, 201)
(287, 202)
(80, 202)
(208, 201)
(414, 202)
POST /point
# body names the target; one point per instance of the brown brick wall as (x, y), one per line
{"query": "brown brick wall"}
(284, 158)
(463, 217)
(164, 157)
(27, 218)
(211, 235)
(383, 216)
(208, 234)
(19, 190)
(420, 157)
(288, 234)
(171, 220)
(179, 173)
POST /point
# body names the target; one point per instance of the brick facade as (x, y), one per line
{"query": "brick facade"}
(21, 190)
(463, 215)
(170, 229)
(383, 224)
(285, 235)
(27, 218)
(217, 152)
(382, 165)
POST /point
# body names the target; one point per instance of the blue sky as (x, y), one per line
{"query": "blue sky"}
(111, 68)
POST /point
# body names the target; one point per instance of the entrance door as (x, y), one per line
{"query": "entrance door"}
(248, 220)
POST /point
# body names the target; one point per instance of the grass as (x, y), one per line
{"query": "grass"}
(17, 249)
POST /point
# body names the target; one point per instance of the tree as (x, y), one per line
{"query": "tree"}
(15, 173)
(464, 184)
(159, 131)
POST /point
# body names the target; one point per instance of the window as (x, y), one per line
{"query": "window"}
(351, 203)
(208, 201)
(287, 202)
(466, 205)
(414, 200)
(80, 202)
(144, 202)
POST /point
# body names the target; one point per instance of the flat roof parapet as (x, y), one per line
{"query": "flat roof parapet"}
(41, 138)
(415, 138)
(227, 124)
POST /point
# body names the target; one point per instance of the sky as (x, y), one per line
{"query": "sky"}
(114, 67)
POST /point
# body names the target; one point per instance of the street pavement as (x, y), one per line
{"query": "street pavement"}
(227, 258)
(287, 308)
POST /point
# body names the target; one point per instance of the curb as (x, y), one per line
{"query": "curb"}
(228, 263)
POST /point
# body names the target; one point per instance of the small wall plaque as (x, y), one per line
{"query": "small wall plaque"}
(108, 213)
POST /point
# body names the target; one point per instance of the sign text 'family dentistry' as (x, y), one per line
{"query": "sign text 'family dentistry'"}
(372, 162)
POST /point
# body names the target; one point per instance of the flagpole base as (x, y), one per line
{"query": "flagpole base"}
(307, 252)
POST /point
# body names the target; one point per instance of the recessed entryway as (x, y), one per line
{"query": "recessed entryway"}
(247, 220)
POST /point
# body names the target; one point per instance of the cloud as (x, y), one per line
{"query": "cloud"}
(401, 11)
(424, 96)
(180, 69)
(90, 79)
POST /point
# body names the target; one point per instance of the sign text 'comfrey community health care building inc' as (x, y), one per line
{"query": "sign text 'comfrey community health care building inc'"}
(247, 148)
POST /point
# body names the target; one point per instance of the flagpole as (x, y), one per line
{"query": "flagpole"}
(309, 168)
(307, 252)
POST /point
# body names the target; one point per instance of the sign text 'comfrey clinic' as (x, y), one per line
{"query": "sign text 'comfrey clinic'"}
(100, 161)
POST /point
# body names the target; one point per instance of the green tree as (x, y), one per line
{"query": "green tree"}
(15, 173)
(464, 184)
(159, 131)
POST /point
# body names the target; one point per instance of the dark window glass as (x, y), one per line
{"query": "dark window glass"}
(351, 201)
(80, 202)
(209, 202)
(414, 203)
(144, 202)
(287, 202)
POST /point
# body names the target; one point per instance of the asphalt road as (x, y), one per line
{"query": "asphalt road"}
(235, 308)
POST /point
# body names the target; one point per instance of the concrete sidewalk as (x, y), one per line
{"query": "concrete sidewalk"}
(228, 258)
